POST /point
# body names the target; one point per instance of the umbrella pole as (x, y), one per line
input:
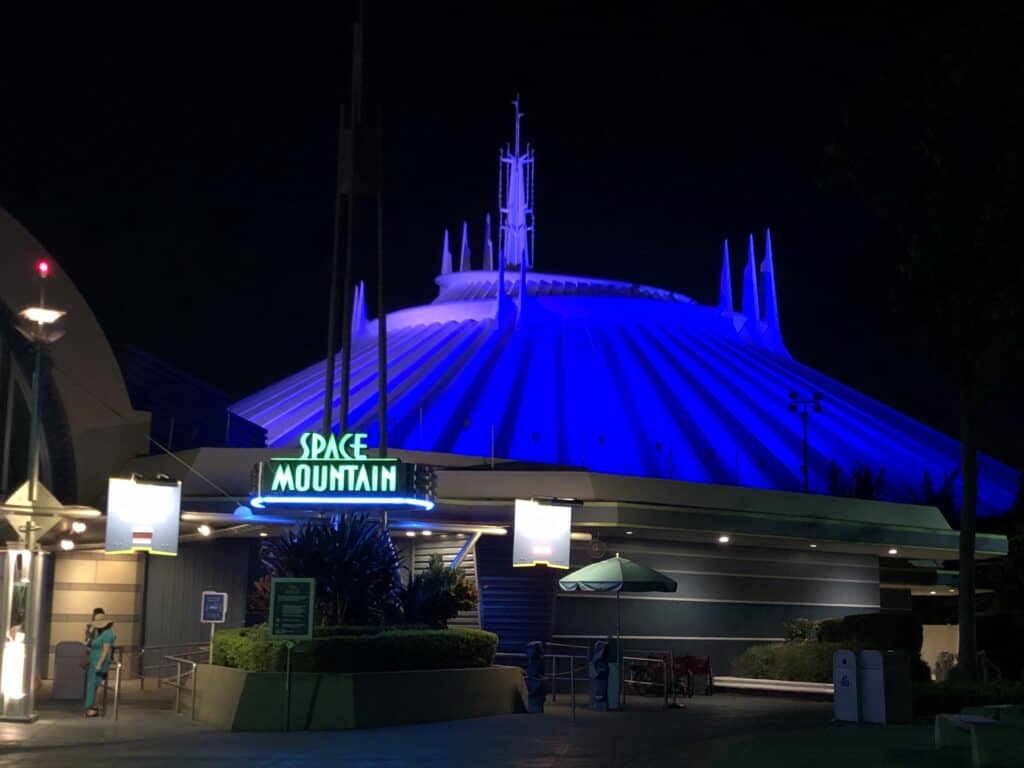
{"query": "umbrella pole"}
(618, 647)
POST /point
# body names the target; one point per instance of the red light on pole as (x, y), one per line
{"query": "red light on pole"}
(43, 268)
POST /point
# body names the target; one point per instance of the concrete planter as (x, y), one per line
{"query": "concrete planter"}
(236, 700)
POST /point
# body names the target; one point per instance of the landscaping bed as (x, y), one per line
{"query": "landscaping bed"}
(357, 649)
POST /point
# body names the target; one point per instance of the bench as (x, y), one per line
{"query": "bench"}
(993, 741)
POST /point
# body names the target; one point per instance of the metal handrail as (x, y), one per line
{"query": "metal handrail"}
(198, 648)
(178, 683)
(117, 684)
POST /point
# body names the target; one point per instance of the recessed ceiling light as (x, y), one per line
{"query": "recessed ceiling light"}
(67, 545)
(78, 526)
(264, 534)
(932, 592)
(426, 533)
(952, 590)
(410, 534)
(629, 533)
(894, 551)
(204, 530)
(814, 546)
(723, 539)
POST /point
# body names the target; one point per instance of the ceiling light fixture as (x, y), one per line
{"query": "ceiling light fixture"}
(723, 539)
(204, 530)
(894, 551)
(78, 526)
(67, 545)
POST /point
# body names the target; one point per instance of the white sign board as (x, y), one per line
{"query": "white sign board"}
(541, 534)
(143, 516)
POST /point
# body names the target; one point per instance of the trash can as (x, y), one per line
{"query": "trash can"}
(885, 691)
(535, 685)
(846, 699)
(68, 675)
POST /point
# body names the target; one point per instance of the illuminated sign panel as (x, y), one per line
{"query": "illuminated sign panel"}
(541, 535)
(335, 470)
(143, 516)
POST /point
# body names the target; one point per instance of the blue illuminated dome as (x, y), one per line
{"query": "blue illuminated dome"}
(612, 376)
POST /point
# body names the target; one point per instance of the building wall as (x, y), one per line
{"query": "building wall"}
(174, 587)
(83, 580)
(727, 598)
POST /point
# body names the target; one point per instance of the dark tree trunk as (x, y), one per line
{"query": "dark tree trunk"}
(967, 603)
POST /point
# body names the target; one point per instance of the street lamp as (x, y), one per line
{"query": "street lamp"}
(803, 405)
(38, 324)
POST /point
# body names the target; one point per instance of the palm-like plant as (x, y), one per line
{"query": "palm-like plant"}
(353, 560)
(437, 594)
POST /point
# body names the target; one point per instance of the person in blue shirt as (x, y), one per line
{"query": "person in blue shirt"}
(101, 654)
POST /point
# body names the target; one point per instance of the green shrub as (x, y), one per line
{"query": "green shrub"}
(803, 661)
(437, 594)
(802, 629)
(951, 697)
(357, 649)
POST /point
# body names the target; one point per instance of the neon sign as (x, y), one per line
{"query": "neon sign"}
(334, 470)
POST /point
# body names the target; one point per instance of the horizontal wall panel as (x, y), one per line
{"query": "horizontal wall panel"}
(722, 651)
(730, 588)
(596, 615)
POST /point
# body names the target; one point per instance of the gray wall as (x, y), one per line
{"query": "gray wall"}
(174, 586)
(727, 598)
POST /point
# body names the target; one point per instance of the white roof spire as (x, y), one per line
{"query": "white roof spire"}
(446, 255)
(750, 303)
(515, 200)
(488, 245)
(464, 265)
(725, 283)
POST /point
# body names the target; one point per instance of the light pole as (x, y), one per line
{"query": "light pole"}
(803, 405)
(39, 325)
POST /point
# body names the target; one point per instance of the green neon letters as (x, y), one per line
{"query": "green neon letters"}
(334, 477)
(348, 447)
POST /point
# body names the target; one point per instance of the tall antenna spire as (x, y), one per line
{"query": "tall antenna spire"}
(464, 251)
(446, 255)
(725, 283)
(750, 303)
(515, 199)
(771, 302)
(488, 245)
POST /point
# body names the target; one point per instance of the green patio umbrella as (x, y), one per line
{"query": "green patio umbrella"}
(616, 574)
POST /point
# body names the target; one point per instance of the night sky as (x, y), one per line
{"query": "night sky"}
(182, 169)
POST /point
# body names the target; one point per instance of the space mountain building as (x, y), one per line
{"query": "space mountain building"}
(676, 431)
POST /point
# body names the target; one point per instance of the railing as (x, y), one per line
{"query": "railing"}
(117, 665)
(183, 650)
(179, 682)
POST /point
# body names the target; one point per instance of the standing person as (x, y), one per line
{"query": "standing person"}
(101, 653)
(90, 628)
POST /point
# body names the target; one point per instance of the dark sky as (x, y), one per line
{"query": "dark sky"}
(182, 169)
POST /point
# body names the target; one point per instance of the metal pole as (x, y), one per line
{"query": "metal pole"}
(803, 417)
(213, 628)
(195, 681)
(177, 690)
(572, 690)
(554, 678)
(288, 685)
(33, 435)
(382, 318)
(117, 688)
(618, 647)
(332, 305)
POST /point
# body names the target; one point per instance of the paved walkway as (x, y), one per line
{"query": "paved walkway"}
(721, 731)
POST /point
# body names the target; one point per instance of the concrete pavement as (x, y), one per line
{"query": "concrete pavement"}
(721, 731)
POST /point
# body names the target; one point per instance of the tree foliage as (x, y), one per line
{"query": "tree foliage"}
(437, 594)
(354, 562)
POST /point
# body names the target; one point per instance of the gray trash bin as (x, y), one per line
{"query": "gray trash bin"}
(846, 699)
(885, 691)
(68, 675)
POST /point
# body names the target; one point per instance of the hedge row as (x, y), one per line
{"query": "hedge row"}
(806, 662)
(357, 649)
